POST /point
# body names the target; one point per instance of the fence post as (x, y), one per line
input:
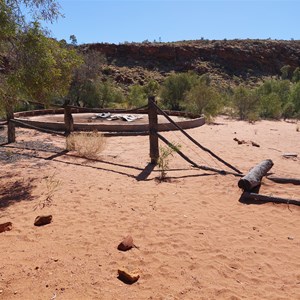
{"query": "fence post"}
(68, 118)
(11, 131)
(153, 127)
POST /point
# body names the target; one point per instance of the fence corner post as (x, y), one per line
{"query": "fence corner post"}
(153, 128)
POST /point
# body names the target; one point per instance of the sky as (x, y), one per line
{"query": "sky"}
(119, 21)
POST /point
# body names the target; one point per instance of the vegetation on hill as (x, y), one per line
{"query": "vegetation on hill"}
(272, 99)
(248, 79)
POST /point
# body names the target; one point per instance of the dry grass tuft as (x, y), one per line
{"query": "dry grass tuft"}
(86, 144)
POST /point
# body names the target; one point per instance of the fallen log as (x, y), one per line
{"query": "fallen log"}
(255, 175)
(248, 197)
(284, 180)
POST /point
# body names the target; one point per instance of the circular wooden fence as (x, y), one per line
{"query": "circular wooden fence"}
(52, 119)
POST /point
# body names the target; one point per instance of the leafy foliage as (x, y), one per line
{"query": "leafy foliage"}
(84, 86)
(137, 96)
(174, 88)
(46, 66)
(245, 102)
(295, 98)
(48, 10)
(151, 88)
(203, 99)
(270, 106)
(286, 72)
(296, 75)
(164, 159)
(33, 66)
(273, 96)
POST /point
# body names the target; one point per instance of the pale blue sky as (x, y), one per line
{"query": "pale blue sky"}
(117, 21)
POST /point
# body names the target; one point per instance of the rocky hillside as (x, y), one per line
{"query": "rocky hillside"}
(229, 62)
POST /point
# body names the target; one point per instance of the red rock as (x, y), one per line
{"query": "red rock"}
(5, 227)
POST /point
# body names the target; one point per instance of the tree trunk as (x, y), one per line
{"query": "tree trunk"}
(11, 131)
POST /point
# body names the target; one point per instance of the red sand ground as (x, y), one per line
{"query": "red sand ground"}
(195, 239)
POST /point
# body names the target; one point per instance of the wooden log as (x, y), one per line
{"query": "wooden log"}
(153, 127)
(246, 197)
(255, 175)
(284, 180)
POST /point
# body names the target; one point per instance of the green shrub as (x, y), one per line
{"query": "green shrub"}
(94, 93)
(245, 103)
(270, 106)
(137, 96)
(286, 72)
(296, 75)
(151, 88)
(288, 110)
(110, 94)
(295, 97)
(203, 99)
(163, 160)
(174, 88)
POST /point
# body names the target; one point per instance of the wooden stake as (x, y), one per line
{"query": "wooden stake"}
(68, 118)
(11, 130)
(153, 128)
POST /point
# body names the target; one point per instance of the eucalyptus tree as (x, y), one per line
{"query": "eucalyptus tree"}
(33, 66)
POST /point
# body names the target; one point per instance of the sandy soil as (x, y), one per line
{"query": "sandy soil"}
(195, 239)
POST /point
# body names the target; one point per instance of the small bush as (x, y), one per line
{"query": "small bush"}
(295, 97)
(203, 99)
(286, 72)
(151, 88)
(86, 144)
(137, 96)
(174, 88)
(163, 160)
(245, 102)
(270, 106)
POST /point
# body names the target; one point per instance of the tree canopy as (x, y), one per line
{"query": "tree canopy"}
(33, 66)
